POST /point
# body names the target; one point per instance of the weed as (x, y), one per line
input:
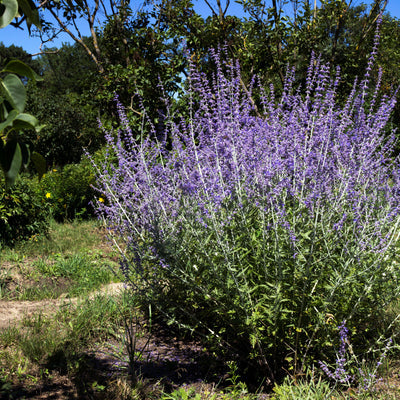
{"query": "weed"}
(9, 336)
(5, 277)
(303, 390)
(182, 394)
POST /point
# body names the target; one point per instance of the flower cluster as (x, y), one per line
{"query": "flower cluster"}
(305, 148)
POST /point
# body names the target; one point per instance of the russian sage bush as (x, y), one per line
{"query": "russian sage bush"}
(257, 230)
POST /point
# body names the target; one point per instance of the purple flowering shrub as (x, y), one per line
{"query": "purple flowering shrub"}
(250, 228)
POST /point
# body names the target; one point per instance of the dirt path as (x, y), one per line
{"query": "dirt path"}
(12, 312)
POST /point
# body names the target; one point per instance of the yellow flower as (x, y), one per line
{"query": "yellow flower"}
(48, 195)
(54, 170)
(101, 200)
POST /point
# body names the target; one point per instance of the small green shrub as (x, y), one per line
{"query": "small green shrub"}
(69, 191)
(23, 214)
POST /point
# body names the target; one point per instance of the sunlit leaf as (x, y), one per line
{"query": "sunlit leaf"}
(14, 91)
(9, 120)
(26, 121)
(9, 10)
(20, 68)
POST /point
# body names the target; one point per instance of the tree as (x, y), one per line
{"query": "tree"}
(66, 15)
(65, 101)
(15, 153)
(133, 51)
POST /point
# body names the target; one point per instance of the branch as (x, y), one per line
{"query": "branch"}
(45, 52)
(105, 9)
(113, 12)
(42, 4)
(210, 6)
(250, 97)
(221, 13)
(227, 5)
(78, 40)
(91, 19)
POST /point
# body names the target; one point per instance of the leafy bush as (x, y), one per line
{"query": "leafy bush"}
(69, 191)
(69, 125)
(23, 214)
(256, 232)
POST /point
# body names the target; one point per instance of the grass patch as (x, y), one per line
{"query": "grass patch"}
(49, 345)
(60, 338)
(66, 238)
(72, 260)
(82, 272)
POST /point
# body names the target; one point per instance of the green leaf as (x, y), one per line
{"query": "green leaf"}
(11, 161)
(31, 13)
(39, 162)
(14, 91)
(9, 10)
(9, 120)
(20, 68)
(26, 121)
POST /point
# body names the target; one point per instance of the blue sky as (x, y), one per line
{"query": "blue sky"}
(11, 35)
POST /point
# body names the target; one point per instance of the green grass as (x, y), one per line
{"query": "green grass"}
(68, 238)
(61, 337)
(59, 342)
(82, 272)
(73, 260)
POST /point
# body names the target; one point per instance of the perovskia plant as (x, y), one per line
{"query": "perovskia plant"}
(254, 231)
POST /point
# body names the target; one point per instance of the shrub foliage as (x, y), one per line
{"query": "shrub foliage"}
(69, 192)
(23, 213)
(254, 231)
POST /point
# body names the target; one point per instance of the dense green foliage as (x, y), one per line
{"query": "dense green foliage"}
(64, 103)
(69, 127)
(69, 192)
(63, 194)
(23, 213)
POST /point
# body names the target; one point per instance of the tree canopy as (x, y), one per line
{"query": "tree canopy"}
(130, 51)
